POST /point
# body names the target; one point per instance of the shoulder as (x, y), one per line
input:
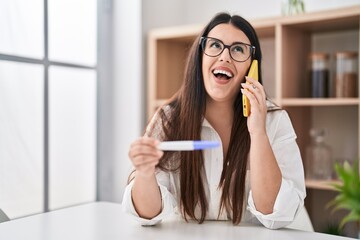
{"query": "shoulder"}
(161, 113)
(278, 119)
(278, 124)
(161, 117)
(275, 114)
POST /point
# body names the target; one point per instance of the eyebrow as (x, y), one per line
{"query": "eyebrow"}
(237, 42)
(240, 42)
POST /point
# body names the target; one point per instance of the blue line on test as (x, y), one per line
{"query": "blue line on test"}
(199, 145)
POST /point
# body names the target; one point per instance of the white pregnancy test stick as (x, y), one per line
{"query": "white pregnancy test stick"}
(187, 145)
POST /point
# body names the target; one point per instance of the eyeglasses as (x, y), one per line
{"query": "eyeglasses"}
(240, 52)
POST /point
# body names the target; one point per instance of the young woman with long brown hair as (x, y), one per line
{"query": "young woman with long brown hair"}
(255, 176)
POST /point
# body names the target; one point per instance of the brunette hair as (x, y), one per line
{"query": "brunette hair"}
(184, 121)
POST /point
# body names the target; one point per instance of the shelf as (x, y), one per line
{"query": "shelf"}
(321, 184)
(182, 33)
(333, 20)
(160, 102)
(288, 102)
(296, 102)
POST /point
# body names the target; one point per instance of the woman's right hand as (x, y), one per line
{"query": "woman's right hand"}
(145, 156)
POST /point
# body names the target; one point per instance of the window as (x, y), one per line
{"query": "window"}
(48, 99)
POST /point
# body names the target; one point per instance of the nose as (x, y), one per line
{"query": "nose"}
(225, 55)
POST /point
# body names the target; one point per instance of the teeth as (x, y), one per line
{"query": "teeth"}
(216, 71)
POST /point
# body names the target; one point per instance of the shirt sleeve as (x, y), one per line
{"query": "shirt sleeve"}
(168, 203)
(154, 129)
(291, 195)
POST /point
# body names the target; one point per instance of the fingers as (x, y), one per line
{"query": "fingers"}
(142, 161)
(254, 91)
(144, 153)
(144, 146)
(255, 87)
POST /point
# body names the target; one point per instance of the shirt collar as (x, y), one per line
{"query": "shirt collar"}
(206, 123)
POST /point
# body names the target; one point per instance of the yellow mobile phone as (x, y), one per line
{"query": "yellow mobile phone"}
(253, 73)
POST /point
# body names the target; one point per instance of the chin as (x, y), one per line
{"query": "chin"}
(219, 98)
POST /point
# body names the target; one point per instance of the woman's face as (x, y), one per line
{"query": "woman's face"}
(222, 74)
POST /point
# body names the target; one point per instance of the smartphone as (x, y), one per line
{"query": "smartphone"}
(253, 73)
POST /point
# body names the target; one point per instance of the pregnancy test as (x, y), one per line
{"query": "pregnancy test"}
(187, 145)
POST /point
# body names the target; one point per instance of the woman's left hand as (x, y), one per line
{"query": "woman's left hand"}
(254, 91)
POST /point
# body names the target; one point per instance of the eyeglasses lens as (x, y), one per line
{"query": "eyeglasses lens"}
(239, 51)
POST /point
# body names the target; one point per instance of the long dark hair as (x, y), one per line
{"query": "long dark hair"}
(183, 122)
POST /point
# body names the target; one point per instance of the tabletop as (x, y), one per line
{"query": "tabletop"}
(106, 221)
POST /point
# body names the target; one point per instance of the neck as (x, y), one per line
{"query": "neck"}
(219, 113)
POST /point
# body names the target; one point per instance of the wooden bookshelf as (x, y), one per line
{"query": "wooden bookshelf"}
(321, 185)
(286, 43)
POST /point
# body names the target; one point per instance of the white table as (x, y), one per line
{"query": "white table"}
(106, 221)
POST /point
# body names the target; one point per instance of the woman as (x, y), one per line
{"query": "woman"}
(255, 176)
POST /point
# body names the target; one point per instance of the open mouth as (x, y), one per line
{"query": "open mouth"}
(222, 74)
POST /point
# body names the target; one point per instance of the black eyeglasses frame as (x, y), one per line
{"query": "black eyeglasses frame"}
(202, 42)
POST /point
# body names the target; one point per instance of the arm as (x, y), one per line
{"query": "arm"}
(290, 197)
(147, 197)
(145, 192)
(273, 152)
(168, 201)
(265, 174)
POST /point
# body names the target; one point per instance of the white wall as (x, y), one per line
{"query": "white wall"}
(161, 13)
(251, 9)
(128, 85)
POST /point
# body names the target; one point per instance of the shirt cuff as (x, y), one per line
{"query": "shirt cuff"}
(287, 204)
(168, 206)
